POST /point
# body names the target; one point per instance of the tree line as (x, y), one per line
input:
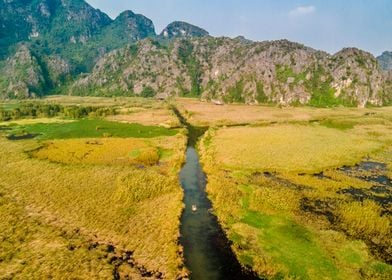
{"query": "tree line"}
(39, 110)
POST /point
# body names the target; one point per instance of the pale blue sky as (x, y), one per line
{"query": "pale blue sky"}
(322, 24)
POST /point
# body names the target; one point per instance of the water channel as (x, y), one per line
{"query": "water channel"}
(207, 251)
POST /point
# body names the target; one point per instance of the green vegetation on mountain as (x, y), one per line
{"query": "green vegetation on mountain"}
(185, 53)
(68, 47)
(72, 31)
(180, 29)
(233, 71)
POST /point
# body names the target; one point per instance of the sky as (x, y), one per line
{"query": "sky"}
(327, 25)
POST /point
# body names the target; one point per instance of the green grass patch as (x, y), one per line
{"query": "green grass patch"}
(135, 153)
(165, 153)
(353, 253)
(9, 106)
(88, 128)
(338, 124)
(291, 245)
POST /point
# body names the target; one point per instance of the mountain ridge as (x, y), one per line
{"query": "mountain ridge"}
(66, 38)
(233, 71)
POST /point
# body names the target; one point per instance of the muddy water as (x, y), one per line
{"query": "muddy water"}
(22, 137)
(207, 251)
(381, 191)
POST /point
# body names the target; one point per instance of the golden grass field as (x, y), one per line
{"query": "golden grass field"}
(94, 201)
(111, 151)
(291, 148)
(284, 204)
(161, 117)
(207, 114)
(107, 207)
(90, 208)
(123, 102)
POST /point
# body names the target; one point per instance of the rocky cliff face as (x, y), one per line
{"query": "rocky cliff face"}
(130, 27)
(236, 71)
(385, 61)
(134, 69)
(23, 76)
(26, 75)
(180, 29)
(66, 36)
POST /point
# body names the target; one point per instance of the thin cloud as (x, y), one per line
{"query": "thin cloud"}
(302, 11)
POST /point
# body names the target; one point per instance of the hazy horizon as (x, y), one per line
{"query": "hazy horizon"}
(325, 25)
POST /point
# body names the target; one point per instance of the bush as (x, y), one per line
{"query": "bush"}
(148, 92)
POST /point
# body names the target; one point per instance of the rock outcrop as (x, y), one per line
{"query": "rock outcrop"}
(180, 29)
(23, 75)
(233, 70)
(385, 61)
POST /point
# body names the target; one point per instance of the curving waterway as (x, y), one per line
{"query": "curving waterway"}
(207, 251)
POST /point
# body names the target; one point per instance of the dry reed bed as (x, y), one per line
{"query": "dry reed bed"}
(112, 151)
(284, 220)
(207, 114)
(100, 202)
(161, 117)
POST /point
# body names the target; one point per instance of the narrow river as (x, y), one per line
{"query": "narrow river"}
(206, 249)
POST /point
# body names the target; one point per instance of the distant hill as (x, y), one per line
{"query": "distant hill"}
(71, 29)
(180, 29)
(67, 46)
(385, 61)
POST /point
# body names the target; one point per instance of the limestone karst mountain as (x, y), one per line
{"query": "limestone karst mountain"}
(234, 71)
(67, 46)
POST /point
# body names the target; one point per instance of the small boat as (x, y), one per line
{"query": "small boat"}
(194, 208)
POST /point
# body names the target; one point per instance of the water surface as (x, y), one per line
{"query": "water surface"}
(206, 249)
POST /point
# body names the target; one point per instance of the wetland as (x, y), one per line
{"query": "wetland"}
(150, 189)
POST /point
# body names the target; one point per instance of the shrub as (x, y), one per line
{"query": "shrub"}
(148, 156)
(148, 92)
(36, 109)
(364, 219)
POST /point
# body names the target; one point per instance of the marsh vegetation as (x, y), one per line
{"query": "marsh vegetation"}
(300, 193)
(291, 197)
(90, 198)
